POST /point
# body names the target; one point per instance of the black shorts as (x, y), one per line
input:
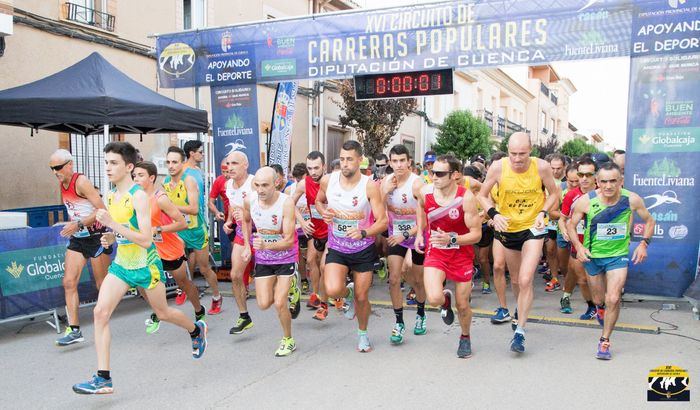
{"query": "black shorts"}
(170, 266)
(89, 246)
(366, 260)
(303, 241)
(552, 234)
(264, 271)
(486, 236)
(516, 240)
(398, 250)
(320, 244)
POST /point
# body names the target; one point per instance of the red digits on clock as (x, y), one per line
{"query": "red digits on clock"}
(407, 84)
(381, 86)
(423, 82)
(396, 84)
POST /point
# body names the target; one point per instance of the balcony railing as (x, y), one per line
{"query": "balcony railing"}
(544, 89)
(553, 98)
(487, 116)
(92, 17)
(545, 131)
(501, 127)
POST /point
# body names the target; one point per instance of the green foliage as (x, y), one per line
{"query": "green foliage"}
(577, 147)
(463, 135)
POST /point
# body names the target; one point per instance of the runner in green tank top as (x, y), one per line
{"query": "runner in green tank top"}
(605, 248)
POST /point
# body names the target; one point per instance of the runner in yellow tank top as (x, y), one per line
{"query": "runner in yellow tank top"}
(519, 219)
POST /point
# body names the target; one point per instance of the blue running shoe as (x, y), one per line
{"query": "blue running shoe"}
(501, 316)
(98, 385)
(465, 348)
(565, 303)
(69, 337)
(517, 345)
(349, 307)
(604, 350)
(363, 343)
(590, 313)
(199, 343)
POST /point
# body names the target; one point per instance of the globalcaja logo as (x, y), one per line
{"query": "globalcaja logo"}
(659, 140)
(281, 67)
(668, 383)
(226, 41)
(176, 59)
(15, 270)
(678, 232)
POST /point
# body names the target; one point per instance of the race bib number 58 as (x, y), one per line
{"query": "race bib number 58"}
(342, 226)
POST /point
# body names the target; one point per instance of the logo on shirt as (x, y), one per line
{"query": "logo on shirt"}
(274, 219)
(404, 198)
(454, 213)
(354, 201)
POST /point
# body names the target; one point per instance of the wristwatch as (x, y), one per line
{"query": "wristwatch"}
(363, 233)
(406, 235)
(647, 240)
(80, 224)
(453, 239)
(546, 214)
(159, 230)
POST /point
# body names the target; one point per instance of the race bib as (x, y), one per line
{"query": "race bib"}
(552, 225)
(271, 237)
(83, 233)
(305, 214)
(190, 220)
(611, 232)
(314, 212)
(447, 246)
(538, 232)
(399, 226)
(121, 239)
(342, 226)
(580, 228)
(157, 237)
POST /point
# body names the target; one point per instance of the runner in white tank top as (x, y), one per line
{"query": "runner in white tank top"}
(353, 208)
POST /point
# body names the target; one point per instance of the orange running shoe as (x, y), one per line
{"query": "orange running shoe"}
(322, 312)
(181, 297)
(314, 302)
(552, 285)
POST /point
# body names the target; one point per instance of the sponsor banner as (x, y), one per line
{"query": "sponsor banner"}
(32, 269)
(663, 160)
(461, 34)
(282, 116)
(235, 123)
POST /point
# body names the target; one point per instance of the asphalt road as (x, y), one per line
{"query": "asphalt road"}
(157, 371)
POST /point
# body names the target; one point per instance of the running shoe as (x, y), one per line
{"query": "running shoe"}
(181, 297)
(600, 315)
(552, 285)
(403, 285)
(382, 271)
(465, 348)
(502, 315)
(152, 324)
(397, 334)
(294, 297)
(241, 325)
(199, 343)
(363, 344)
(96, 385)
(70, 337)
(565, 304)
(339, 304)
(321, 313)
(314, 302)
(517, 345)
(216, 305)
(590, 313)
(419, 328)
(604, 350)
(200, 316)
(514, 322)
(542, 269)
(411, 297)
(349, 308)
(448, 316)
(305, 286)
(547, 276)
(486, 289)
(287, 346)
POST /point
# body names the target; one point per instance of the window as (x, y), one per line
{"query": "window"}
(194, 14)
(88, 157)
(410, 145)
(553, 125)
(543, 119)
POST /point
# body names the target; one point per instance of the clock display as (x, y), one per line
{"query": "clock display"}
(403, 85)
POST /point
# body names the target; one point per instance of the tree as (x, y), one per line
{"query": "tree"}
(375, 121)
(550, 146)
(576, 147)
(463, 135)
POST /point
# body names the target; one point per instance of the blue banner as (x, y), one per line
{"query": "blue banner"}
(235, 123)
(663, 145)
(282, 116)
(458, 34)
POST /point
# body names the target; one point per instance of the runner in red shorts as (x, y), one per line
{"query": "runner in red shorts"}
(454, 226)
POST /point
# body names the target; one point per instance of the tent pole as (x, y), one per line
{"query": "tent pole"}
(105, 180)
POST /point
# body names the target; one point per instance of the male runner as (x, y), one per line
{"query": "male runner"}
(82, 202)
(238, 188)
(347, 200)
(136, 264)
(317, 229)
(166, 220)
(607, 212)
(218, 191)
(519, 219)
(557, 163)
(183, 190)
(276, 252)
(454, 226)
(585, 174)
(194, 152)
(299, 173)
(399, 192)
(428, 161)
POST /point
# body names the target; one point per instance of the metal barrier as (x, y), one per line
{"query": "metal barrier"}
(43, 216)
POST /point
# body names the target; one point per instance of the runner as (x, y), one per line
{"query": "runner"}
(315, 228)
(557, 163)
(520, 219)
(276, 252)
(166, 220)
(238, 188)
(194, 153)
(299, 173)
(399, 192)
(136, 264)
(454, 226)
(82, 202)
(183, 190)
(607, 212)
(428, 161)
(218, 191)
(351, 199)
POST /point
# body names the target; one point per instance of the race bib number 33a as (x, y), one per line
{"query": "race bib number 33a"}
(342, 226)
(611, 232)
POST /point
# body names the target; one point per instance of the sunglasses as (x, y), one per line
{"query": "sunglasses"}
(441, 174)
(585, 174)
(59, 167)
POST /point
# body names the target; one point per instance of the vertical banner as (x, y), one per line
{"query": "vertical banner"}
(663, 145)
(282, 115)
(235, 123)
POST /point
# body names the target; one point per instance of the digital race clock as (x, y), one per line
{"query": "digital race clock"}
(403, 85)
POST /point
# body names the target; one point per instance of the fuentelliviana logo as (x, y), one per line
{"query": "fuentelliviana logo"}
(15, 270)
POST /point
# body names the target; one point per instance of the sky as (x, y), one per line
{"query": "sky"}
(599, 105)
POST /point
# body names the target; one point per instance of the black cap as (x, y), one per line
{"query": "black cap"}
(478, 158)
(600, 158)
